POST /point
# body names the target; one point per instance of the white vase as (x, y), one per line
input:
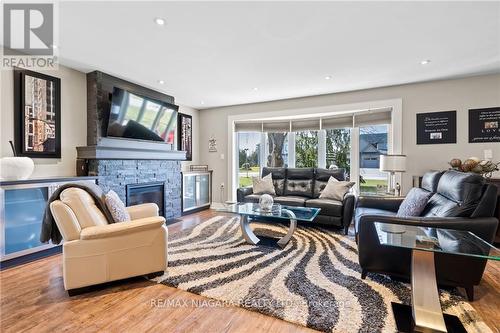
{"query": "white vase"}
(16, 168)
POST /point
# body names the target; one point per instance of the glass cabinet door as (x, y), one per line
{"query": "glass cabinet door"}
(24, 210)
(189, 192)
(204, 188)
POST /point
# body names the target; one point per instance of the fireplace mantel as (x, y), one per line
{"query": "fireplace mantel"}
(123, 149)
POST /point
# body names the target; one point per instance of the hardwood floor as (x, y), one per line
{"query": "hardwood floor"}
(33, 299)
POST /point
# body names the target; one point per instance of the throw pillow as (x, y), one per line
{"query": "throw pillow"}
(414, 203)
(116, 207)
(335, 189)
(263, 185)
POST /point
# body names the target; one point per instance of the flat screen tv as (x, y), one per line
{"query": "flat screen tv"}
(138, 117)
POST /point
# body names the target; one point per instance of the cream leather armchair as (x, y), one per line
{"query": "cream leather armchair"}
(95, 252)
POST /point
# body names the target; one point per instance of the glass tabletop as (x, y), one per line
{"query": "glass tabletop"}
(435, 240)
(253, 209)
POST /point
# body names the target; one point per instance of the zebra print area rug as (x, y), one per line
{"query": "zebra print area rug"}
(314, 281)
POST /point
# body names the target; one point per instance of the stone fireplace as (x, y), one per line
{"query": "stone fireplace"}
(122, 164)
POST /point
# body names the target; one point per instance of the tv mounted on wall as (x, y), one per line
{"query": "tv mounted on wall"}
(142, 118)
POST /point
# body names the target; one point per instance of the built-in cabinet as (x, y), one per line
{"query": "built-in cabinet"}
(22, 207)
(196, 190)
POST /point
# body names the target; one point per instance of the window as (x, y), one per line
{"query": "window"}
(277, 144)
(372, 143)
(306, 149)
(248, 157)
(338, 148)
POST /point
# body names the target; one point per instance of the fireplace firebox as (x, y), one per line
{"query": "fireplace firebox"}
(137, 194)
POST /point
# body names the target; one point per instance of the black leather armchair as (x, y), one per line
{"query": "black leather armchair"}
(460, 201)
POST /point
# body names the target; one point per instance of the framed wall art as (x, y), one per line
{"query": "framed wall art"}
(436, 127)
(37, 114)
(484, 125)
(185, 135)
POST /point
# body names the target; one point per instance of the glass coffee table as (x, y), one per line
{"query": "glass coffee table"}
(277, 214)
(425, 314)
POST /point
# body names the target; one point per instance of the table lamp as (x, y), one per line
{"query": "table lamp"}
(393, 164)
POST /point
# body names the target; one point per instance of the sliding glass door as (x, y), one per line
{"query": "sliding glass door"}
(373, 142)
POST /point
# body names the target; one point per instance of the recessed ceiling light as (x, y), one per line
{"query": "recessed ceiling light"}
(161, 82)
(54, 46)
(328, 77)
(425, 62)
(255, 89)
(202, 102)
(159, 21)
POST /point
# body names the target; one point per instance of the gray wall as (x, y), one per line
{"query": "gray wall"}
(457, 94)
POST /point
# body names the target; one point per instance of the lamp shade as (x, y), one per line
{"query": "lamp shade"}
(393, 163)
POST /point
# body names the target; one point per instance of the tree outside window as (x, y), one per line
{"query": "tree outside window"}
(338, 148)
(278, 149)
(306, 149)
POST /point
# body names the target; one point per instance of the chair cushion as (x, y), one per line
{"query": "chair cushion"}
(328, 206)
(299, 182)
(430, 180)
(361, 211)
(84, 207)
(414, 202)
(322, 176)
(263, 185)
(291, 201)
(116, 207)
(278, 175)
(458, 195)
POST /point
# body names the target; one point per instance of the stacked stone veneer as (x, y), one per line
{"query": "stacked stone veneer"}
(116, 174)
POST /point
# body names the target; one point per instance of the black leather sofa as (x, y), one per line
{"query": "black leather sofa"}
(461, 201)
(301, 187)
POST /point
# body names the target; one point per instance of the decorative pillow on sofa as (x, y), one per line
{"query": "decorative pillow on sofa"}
(335, 189)
(414, 203)
(263, 185)
(116, 207)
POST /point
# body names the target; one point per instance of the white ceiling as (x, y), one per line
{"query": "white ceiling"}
(219, 52)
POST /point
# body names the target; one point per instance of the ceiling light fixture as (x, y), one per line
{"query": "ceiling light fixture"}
(54, 46)
(202, 102)
(255, 89)
(159, 21)
(425, 62)
(161, 82)
(328, 77)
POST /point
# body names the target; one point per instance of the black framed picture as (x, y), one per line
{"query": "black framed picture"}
(37, 114)
(185, 135)
(436, 127)
(484, 125)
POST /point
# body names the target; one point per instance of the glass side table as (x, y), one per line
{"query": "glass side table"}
(425, 314)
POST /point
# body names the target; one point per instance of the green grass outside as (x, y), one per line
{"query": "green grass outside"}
(245, 181)
(252, 169)
(370, 185)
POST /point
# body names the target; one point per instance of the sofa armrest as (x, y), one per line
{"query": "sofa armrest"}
(348, 205)
(242, 192)
(122, 228)
(484, 227)
(386, 203)
(142, 211)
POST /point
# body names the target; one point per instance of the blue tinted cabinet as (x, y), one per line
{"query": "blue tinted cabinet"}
(22, 206)
(196, 190)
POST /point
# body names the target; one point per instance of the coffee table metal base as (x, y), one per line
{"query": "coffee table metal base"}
(251, 238)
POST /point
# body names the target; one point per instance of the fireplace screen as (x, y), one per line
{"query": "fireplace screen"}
(146, 193)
